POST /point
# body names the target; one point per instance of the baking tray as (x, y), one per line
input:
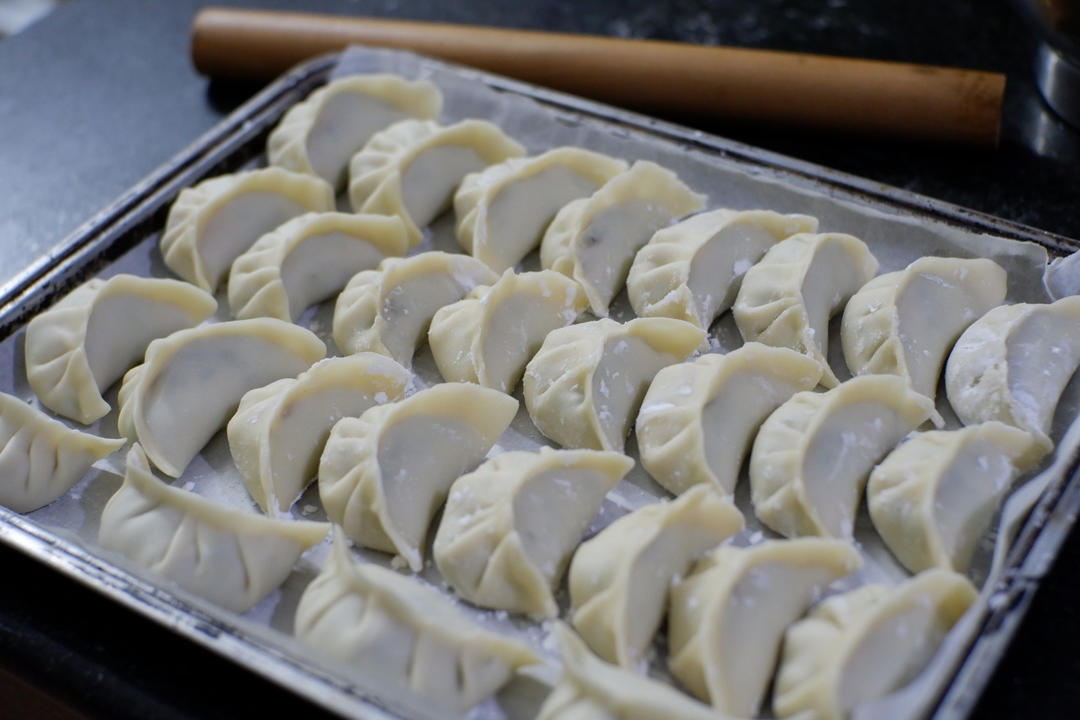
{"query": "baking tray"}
(139, 214)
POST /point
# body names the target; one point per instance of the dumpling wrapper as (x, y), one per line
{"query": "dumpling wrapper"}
(905, 322)
(593, 240)
(233, 559)
(503, 210)
(584, 386)
(510, 526)
(863, 644)
(692, 270)
(390, 630)
(488, 337)
(811, 458)
(787, 298)
(42, 458)
(699, 418)
(78, 348)
(933, 498)
(278, 433)
(383, 475)
(212, 223)
(191, 383)
(620, 578)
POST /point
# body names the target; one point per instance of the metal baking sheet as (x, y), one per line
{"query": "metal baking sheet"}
(900, 226)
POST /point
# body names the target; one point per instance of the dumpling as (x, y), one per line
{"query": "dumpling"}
(510, 526)
(698, 419)
(307, 260)
(594, 239)
(389, 310)
(489, 336)
(41, 458)
(383, 475)
(811, 457)
(585, 384)
(233, 559)
(391, 631)
(1013, 363)
(278, 432)
(191, 382)
(786, 300)
(412, 168)
(591, 689)
(933, 498)
(211, 223)
(619, 579)
(864, 644)
(728, 618)
(78, 348)
(319, 135)
(502, 211)
(692, 270)
(904, 323)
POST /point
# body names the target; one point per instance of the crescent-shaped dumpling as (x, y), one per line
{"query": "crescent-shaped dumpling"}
(502, 211)
(381, 488)
(278, 432)
(231, 558)
(307, 260)
(489, 336)
(412, 168)
(905, 322)
(698, 418)
(211, 223)
(1013, 363)
(78, 348)
(812, 456)
(593, 240)
(786, 300)
(619, 579)
(191, 382)
(692, 270)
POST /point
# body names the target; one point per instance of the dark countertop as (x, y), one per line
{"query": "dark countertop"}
(99, 94)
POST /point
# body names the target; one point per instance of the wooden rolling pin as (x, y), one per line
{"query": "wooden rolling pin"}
(901, 100)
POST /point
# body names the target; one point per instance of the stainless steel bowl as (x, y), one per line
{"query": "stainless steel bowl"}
(1057, 65)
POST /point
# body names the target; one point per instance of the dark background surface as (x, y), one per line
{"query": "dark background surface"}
(98, 94)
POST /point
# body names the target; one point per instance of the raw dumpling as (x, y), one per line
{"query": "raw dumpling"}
(211, 223)
(590, 689)
(692, 270)
(904, 323)
(319, 135)
(78, 348)
(41, 458)
(593, 240)
(383, 475)
(619, 579)
(278, 432)
(786, 300)
(393, 631)
(864, 644)
(584, 386)
(489, 336)
(933, 498)
(811, 457)
(412, 168)
(502, 211)
(1013, 363)
(388, 310)
(231, 558)
(307, 260)
(510, 526)
(728, 618)
(191, 383)
(698, 419)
